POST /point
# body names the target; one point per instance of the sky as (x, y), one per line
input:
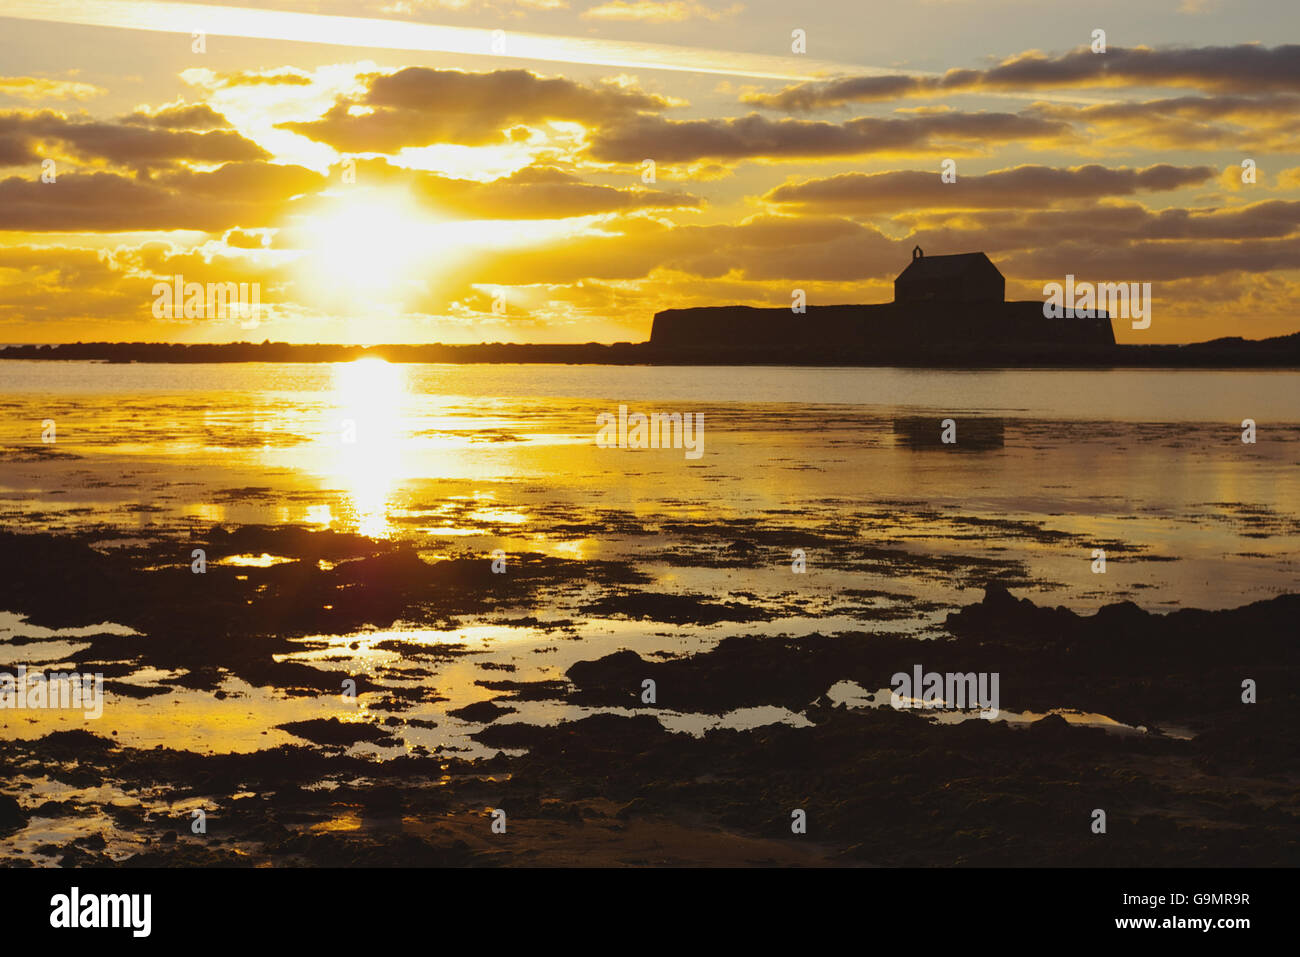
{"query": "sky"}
(560, 170)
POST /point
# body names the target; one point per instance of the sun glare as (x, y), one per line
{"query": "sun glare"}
(367, 251)
(367, 426)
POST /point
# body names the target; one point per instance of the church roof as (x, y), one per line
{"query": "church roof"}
(925, 268)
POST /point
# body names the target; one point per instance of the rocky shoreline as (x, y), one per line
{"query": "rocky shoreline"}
(1187, 773)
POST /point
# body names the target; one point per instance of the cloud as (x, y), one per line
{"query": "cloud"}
(418, 106)
(505, 7)
(764, 247)
(288, 76)
(245, 182)
(1246, 68)
(757, 137)
(41, 88)
(535, 192)
(1123, 240)
(1019, 187)
(179, 116)
(1158, 262)
(1269, 122)
(628, 268)
(1242, 109)
(248, 194)
(137, 142)
(1106, 242)
(54, 285)
(530, 185)
(659, 11)
(248, 238)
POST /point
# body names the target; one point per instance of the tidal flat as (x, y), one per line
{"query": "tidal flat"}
(355, 652)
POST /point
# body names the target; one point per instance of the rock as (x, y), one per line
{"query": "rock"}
(12, 815)
(482, 712)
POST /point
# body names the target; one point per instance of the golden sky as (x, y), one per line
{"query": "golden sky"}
(480, 170)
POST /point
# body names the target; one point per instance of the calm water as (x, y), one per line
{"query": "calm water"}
(495, 453)
(465, 459)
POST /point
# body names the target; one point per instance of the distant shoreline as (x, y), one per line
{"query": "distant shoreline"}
(1282, 352)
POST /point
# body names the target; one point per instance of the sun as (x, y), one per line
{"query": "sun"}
(365, 250)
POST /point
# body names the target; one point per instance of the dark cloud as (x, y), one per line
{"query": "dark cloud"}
(1021, 187)
(1128, 238)
(244, 182)
(247, 239)
(1105, 242)
(1150, 261)
(98, 202)
(1270, 122)
(198, 116)
(1244, 109)
(418, 106)
(16, 149)
(238, 194)
(757, 137)
(135, 144)
(1246, 68)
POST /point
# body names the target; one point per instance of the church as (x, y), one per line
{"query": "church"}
(949, 308)
(964, 277)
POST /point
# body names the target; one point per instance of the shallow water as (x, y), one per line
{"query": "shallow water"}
(1148, 465)
(470, 456)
